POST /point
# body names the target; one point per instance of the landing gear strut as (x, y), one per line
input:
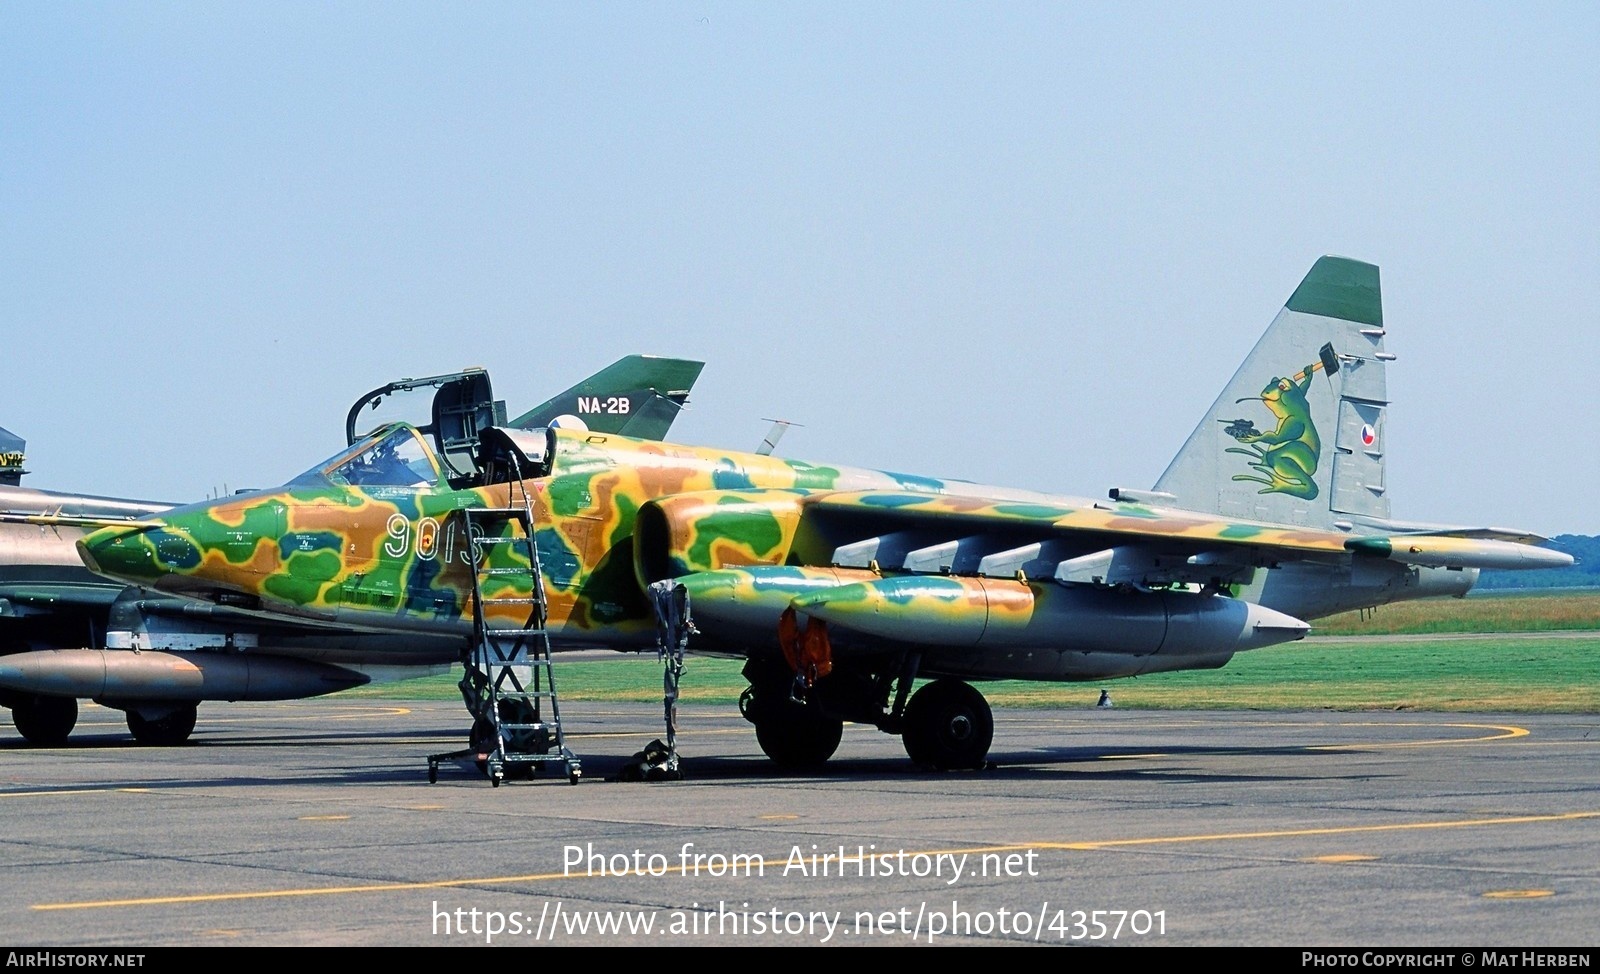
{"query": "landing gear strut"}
(948, 726)
(45, 721)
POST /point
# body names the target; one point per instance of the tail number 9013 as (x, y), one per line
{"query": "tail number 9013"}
(426, 536)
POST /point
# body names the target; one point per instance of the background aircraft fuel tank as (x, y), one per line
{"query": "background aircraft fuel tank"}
(956, 612)
(126, 675)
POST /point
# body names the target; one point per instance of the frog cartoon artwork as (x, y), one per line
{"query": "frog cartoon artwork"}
(1287, 455)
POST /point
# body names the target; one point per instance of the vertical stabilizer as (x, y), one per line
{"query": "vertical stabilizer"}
(1297, 436)
(12, 456)
(639, 395)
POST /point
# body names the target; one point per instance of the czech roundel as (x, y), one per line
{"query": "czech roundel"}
(1369, 435)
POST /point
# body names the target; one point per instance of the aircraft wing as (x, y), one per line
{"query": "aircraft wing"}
(1141, 588)
(62, 520)
(1093, 524)
(40, 573)
(1121, 542)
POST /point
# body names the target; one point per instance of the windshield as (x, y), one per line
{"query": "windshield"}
(392, 457)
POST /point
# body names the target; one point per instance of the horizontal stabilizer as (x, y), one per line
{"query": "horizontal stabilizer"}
(1462, 531)
(1442, 551)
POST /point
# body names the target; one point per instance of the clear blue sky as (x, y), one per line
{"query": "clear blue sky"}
(1018, 243)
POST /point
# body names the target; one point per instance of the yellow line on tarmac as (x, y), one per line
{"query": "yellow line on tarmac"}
(344, 713)
(1503, 732)
(285, 893)
(74, 791)
(814, 861)
(680, 870)
(1506, 732)
(1332, 830)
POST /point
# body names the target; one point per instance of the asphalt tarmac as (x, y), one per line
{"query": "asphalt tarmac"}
(313, 823)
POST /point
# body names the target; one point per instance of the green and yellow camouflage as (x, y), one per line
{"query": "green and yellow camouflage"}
(842, 586)
(66, 633)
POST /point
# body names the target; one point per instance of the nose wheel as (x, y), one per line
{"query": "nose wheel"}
(948, 727)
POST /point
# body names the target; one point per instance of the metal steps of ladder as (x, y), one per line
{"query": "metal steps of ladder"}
(510, 675)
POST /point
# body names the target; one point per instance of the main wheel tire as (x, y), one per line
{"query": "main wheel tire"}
(796, 736)
(949, 726)
(45, 721)
(170, 730)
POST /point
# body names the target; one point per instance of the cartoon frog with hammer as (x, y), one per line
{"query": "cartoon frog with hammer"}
(1287, 455)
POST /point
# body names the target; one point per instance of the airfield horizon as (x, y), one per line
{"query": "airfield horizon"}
(1517, 653)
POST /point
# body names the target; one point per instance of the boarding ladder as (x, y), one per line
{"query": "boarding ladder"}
(510, 683)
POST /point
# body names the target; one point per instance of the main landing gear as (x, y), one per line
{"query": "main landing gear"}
(793, 734)
(165, 726)
(948, 726)
(45, 721)
(945, 725)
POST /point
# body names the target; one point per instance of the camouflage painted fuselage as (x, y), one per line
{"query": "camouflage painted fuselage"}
(613, 514)
(396, 558)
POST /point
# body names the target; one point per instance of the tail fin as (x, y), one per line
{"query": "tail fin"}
(636, 396)
(12, 456)
(1297, 434)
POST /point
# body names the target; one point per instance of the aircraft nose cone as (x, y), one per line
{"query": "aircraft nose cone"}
(123, 552)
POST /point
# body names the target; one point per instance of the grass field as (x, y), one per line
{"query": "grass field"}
(1557, 673)
(1511, 612)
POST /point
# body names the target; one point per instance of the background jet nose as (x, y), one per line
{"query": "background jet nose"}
(122, 552)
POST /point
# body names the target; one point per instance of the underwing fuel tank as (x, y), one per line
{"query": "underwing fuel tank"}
(750, 600)
(956, 612)
(126, 675)
(935, 610)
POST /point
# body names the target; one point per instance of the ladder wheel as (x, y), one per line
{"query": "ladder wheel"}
(433, 774)
(574, 776)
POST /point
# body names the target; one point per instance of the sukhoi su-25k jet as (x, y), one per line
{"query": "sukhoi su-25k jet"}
(856, 595)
